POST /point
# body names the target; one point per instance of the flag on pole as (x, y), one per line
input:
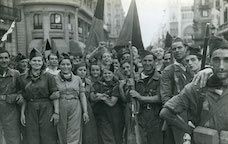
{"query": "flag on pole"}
(9, 31)
(131, 31)
(96, 33)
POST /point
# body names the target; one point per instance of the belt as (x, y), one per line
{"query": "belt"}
(3, 97)
(68, 95)
(38, 99)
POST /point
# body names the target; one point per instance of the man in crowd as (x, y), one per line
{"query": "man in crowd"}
(207, 105)
(53, 63)
(193, 59)
(173, 80)
(21, 63)
(147, 93)
(167, 59)
(9, 98)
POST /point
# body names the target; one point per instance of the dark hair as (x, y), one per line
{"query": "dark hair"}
(94, 63)
(64, 56)
(128, 61)
(48, 57)
(5, 51)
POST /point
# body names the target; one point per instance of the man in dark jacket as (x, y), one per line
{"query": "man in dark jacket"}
(147, 93)
(9, 114)
(173, 80)
(208, 105)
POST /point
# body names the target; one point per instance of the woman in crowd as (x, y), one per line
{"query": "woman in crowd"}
(95, 72)
(107, 110)
(106, 60)
(89, 132)
(41, 106)
(72, 106)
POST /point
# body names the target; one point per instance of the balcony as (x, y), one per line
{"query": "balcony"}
(10, 13)
(223, 28)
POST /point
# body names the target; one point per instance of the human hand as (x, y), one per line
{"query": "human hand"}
(202, 76)
(122, 83)
(85, 117)
(134, 94)
(55, 118)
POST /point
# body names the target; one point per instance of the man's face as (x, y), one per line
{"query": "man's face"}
(148, 62)
(219, 61)
(167, 59)
(4, 60)
(126, 68)
(53, 60)
(179, 50)
(193, 62)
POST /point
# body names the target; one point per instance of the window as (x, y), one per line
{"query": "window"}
(37, 21)
(56, 21)
(205, 13)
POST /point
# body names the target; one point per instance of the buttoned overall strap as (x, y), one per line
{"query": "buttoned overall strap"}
(217, 107)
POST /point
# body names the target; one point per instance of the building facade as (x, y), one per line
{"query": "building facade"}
(8, 13)
(181, 19)
(203, 10)
(222, 8)
(56, 21)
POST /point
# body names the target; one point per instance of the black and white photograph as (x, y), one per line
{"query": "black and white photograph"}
(113, 71)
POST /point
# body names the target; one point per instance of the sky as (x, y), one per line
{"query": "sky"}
(152, 16)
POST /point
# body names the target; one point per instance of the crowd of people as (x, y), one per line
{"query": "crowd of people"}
(112, 97)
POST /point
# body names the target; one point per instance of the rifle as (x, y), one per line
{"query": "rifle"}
(135, 135)
(206, 39)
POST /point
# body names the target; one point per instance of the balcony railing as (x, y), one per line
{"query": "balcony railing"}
(10, 13)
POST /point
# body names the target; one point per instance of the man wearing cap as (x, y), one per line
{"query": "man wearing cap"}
(148, 94)
(208, 105)
(9, 98)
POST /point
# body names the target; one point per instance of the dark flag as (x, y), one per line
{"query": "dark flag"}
(168, 41)
(131, 31)
(96, 33)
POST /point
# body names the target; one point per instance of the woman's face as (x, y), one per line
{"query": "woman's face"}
(95, 71)
(65, 66)
(81, 71)
(107, 75)
(106, 58)
(36, 63)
